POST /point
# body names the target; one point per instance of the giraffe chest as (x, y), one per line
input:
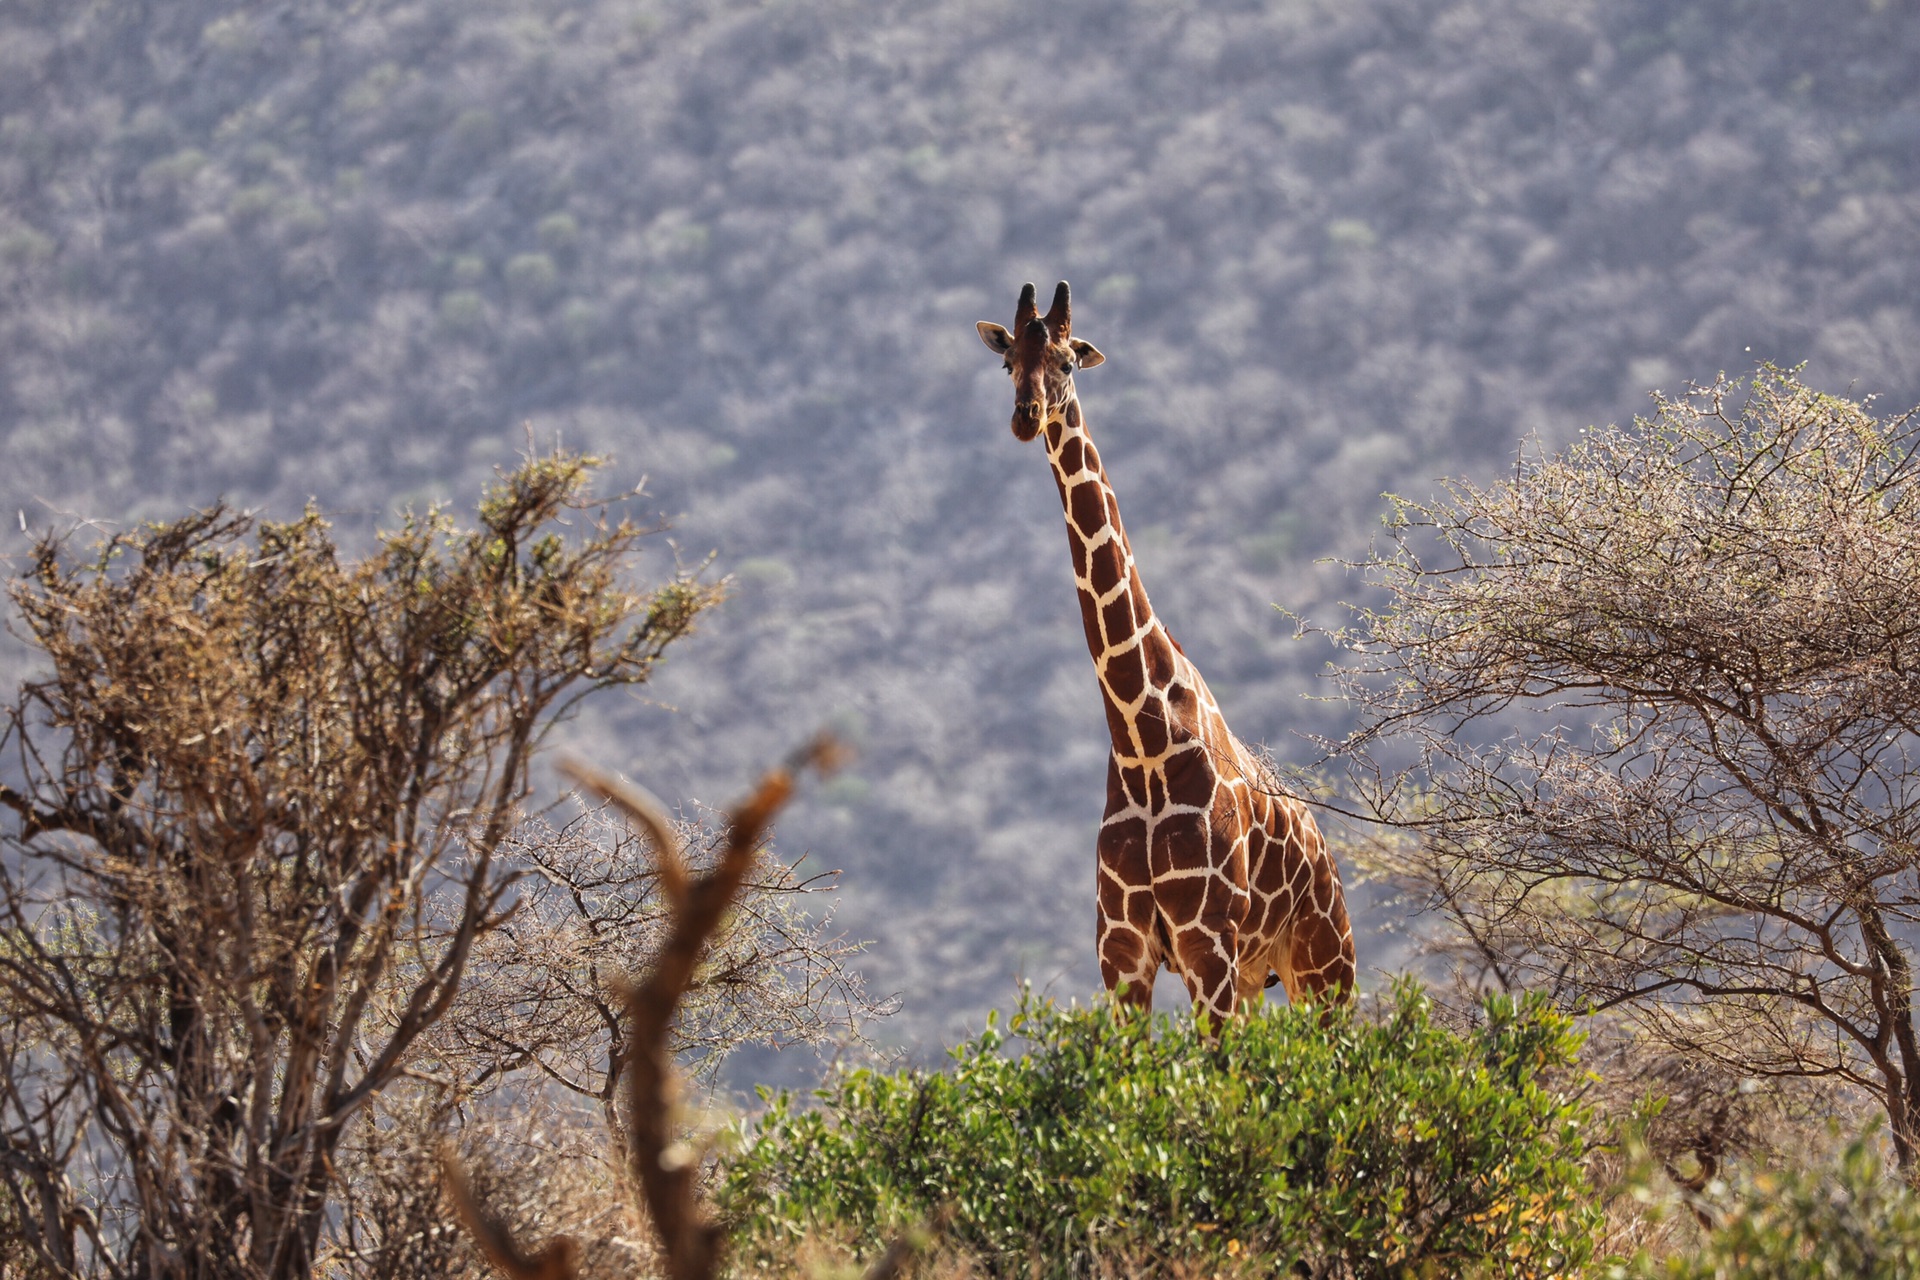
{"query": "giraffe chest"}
(1188, 806)
(1204, 834)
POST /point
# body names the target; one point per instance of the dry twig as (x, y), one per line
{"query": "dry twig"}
(663, 1167)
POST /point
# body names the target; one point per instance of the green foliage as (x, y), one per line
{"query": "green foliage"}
(1851, 1221)
(1387, 1147)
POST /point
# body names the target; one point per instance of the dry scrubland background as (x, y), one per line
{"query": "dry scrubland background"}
(345, 250)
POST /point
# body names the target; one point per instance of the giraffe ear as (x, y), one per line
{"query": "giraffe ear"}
(1086, 353)
(995, 337)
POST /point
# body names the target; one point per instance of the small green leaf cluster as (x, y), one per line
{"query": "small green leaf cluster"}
(1848, 1220)
(1386, 1146)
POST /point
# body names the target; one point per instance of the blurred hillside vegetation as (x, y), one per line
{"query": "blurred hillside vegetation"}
(347, 249)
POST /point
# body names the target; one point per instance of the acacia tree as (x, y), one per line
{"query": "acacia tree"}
(591, 908)
(1651, 706)
(254, 806)
(529, 1057)
(545, 1022)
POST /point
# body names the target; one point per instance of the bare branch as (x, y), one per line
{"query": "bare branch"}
(1653, 707)
(663, 1166)
(646, 814)
(557, 1261)
(232, 906)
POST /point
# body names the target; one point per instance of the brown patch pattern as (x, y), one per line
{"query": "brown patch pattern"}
(1204, 866)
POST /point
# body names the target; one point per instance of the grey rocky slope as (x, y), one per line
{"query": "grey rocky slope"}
(347, 250)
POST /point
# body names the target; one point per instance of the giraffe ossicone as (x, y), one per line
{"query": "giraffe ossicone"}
(1205, 865)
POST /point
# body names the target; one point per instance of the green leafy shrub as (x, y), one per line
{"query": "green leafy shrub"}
(1388, 1147)
(1849, 1221)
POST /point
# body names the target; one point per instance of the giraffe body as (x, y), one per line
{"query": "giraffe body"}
(1204, 865)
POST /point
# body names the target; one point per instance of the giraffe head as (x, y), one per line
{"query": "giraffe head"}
(1041, 354)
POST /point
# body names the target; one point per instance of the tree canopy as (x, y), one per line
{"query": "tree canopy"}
(1652, 707)
(252, 843)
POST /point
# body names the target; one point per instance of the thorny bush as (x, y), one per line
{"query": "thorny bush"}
(1651, 707)
(254, 805)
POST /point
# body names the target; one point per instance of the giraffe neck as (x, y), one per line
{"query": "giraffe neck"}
(1136, 661)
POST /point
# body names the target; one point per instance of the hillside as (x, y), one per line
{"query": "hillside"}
(346, 251)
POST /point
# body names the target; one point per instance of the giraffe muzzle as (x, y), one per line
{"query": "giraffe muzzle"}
(1027, 417)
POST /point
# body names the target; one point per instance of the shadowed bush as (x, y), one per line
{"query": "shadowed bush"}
(1304, 1136)
(1848, 1219)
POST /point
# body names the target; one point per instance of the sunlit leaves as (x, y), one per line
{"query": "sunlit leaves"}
(1369, 1148)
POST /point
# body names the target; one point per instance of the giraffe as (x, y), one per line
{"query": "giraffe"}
(1204, 865)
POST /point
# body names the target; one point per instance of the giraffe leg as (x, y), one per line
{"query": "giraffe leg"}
(1129, 956)
(1253, 976)
(1204, 954)
(1322, 962)
(1129, 951)
(1320, 959)
(1128, 966)
(1280, 969)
